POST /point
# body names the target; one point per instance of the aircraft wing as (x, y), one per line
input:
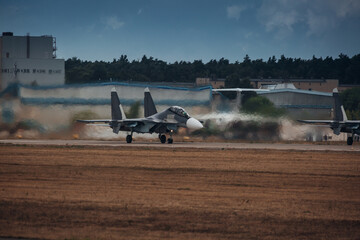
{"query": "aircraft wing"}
(130, 121)
(320, 122)
(95, 121)
(352, 124)
(348, 123)
(109, 122)
(98, 124)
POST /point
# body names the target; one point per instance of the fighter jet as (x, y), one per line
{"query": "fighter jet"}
(340, 123)
(167, 121)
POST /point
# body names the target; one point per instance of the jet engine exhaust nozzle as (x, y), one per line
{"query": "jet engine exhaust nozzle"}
(192, 123)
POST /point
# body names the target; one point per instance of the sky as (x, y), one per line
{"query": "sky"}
(188, 30)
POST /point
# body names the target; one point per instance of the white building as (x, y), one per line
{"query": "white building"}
(30, 61)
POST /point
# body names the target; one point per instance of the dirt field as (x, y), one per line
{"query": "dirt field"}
(129, 193)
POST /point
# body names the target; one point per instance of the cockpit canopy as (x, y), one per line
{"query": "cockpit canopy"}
(179, 111)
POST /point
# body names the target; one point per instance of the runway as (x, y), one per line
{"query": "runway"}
(73, 189)
(200, 145)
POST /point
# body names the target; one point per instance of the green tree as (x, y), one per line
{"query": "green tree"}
(133, 111)
(148, 69)
(351, 101)
(262, 106)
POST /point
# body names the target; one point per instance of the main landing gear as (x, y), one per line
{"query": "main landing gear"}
(162, 138)
(129, 137)
(350, 139)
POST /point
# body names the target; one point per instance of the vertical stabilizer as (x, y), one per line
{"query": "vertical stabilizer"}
(339, 111)
(149, 105)
(116, 108)
(343, 113)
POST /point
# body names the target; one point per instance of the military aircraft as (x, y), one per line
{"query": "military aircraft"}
(167, 121)
(340, 123)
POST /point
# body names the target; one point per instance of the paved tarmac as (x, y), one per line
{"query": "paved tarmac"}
(204, 145)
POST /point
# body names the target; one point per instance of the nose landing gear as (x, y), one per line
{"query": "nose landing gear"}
(170, 140)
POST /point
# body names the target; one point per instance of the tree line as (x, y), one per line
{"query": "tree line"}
(148, 69)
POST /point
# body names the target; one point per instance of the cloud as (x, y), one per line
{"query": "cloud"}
(249, 35)
(234, 11)
(279, 16)
(345, 8)
(317, 23)
(113, 23)
(139, 11)
(317, 16)
(326, 15)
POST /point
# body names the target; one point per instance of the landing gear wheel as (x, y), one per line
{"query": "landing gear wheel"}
(350, 141)
(128, 138)
(170, 140)
(162, 138)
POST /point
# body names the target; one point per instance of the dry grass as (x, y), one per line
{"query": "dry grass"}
(127, 193)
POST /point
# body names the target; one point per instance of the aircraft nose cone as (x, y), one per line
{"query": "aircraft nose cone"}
(192, 123)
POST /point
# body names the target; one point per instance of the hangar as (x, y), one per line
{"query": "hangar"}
(302, 104)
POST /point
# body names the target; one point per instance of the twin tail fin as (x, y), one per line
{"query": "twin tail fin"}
(149, 105)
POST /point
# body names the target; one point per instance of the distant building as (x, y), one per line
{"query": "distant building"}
(321, 85)
(276, 86)
(214, 82)
(302, 104)
(29, 60)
